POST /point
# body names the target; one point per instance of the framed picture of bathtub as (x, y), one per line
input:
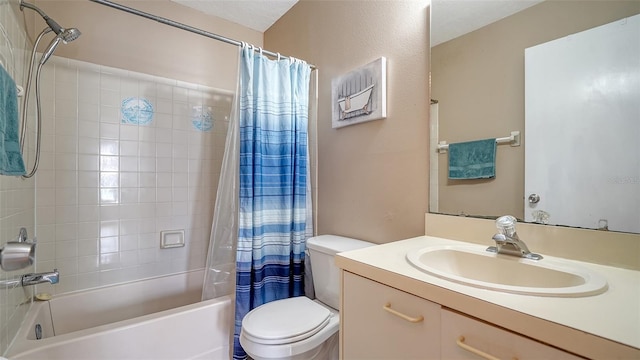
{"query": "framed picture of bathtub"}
(360, 95)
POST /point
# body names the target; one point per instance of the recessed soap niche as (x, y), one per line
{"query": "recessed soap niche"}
(171, 239)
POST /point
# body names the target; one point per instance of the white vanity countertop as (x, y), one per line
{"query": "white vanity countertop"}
(599, 326)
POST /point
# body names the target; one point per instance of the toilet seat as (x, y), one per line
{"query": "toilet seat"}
(285, 321)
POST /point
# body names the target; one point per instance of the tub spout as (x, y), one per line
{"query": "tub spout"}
(39, 278)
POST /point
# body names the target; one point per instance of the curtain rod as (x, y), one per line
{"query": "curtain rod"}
(184, 27)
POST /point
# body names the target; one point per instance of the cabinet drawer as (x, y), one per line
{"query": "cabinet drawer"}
(459, 331)
(380, 322)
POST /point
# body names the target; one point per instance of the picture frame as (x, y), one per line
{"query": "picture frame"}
(360, 95)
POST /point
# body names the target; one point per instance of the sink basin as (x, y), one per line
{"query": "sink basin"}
(472, 265)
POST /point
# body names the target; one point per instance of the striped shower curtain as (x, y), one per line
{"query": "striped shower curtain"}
(274, 200)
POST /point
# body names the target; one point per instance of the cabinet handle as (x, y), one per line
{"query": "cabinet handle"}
(471, 349)
(387, 307)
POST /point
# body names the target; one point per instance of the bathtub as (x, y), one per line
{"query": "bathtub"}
(157, 318)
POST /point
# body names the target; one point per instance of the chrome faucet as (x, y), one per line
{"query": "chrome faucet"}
(508, 242)
(39, 278)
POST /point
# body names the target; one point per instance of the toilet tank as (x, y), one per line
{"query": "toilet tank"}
(326, 275)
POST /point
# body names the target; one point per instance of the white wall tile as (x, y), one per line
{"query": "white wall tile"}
(68, 231)
(89, 229)
(129, 196)
(66, 74)
(66, 197)
(109, 81)
(89, 97)
(87, 145)
(89, 179)
(149, 179)
(106, 189)
(129, 87)
(109, 131)
(109, 163)
(147, 164)
(67, 249)
(148, 149)
(164, 165)
(88, 280)
(87, 264)
(109, 212)
(129, 148)
(88, 196)
(65, 161)
(88, 163)
(110, 114)
(88, 247)
(66, 144)
(129, 179)
(66, 109)
(88, 80)
(87, 111)
(129, 132)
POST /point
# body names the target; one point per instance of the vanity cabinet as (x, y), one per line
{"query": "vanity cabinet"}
(467, 338)
(381, 322)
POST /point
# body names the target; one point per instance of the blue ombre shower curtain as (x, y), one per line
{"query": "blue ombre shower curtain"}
(273, 205)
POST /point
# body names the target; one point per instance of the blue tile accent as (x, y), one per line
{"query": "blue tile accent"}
(201, 118)
(136, 111)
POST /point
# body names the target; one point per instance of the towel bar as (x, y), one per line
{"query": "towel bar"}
(513, 140)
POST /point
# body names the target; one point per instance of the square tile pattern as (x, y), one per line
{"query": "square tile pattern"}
(106, 185)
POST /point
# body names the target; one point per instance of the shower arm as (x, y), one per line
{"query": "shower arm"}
(50, 22)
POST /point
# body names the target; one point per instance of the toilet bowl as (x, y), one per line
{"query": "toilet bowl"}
(294, 328)
(300, 328)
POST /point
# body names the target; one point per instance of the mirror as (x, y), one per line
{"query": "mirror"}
(477, 78)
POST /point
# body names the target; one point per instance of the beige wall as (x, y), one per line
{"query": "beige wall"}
(372, 177)
(478, 80)
(118, 39)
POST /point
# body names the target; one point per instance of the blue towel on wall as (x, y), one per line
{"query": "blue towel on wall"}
(11, 162)
(472, 160)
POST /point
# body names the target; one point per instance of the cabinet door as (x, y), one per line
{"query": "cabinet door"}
(380, 322)
(467, 338)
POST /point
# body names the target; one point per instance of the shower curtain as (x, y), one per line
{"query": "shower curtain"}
(272, 190)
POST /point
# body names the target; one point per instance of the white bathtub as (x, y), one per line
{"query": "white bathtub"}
(158, 318)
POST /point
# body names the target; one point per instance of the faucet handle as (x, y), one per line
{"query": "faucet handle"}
(506, 225)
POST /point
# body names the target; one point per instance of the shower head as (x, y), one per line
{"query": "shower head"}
(65, 36)
(68, 35)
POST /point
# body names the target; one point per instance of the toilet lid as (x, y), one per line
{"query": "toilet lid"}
(285, 321)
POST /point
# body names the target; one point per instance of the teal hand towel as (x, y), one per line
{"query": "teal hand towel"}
(11, 162)
(472, 160)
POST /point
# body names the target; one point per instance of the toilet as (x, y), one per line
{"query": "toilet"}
(300, 328)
